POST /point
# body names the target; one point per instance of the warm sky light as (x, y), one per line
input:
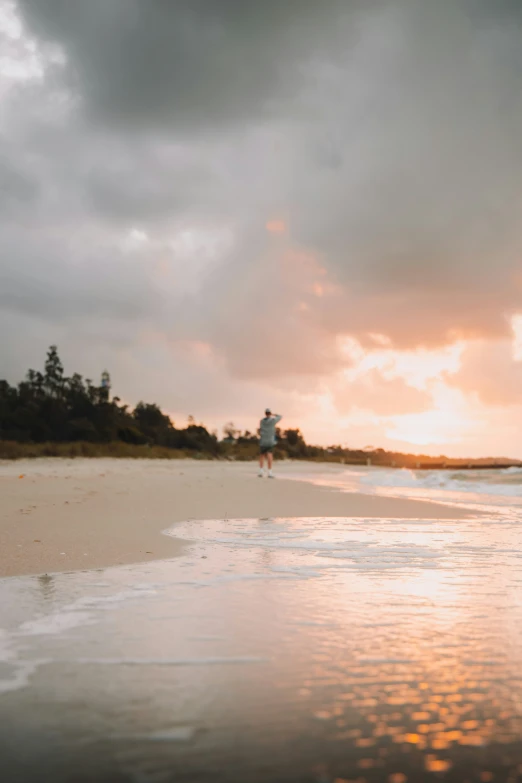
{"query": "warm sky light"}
(311, 206)
(276, 226)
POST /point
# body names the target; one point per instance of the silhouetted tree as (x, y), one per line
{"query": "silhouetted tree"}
(105, 386)
(53, 378)
(49, 406)
(230, 431)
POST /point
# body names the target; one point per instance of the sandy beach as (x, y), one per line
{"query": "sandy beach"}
(255, 630)
(62, 515)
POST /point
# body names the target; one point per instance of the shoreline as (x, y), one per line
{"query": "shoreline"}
(247, 452)
(60, 515)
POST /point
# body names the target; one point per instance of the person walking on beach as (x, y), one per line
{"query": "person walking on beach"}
(267, 441)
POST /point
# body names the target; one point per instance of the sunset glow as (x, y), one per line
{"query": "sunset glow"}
(261, 390)
(516, 325)
(438, 427)
(282, 242)
(276, 227)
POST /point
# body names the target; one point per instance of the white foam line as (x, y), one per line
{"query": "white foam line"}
(74, 615)
(378, 567)
(297, 570)
(123, 595)
(168, 661)
(21, 676)
(283, 576)
(55, 623)
(175, 734)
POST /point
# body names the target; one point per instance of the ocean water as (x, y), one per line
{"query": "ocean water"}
(496, 487)
(323, 650)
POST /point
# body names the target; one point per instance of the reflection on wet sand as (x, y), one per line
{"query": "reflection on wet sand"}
(306, 649)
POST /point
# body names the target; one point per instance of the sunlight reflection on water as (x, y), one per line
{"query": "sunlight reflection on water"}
(289, 649)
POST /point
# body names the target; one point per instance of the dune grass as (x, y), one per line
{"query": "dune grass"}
(10, 450)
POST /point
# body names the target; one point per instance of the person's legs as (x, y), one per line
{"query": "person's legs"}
(261, 464)
(270, 457)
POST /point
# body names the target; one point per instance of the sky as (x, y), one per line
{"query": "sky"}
(229, 205)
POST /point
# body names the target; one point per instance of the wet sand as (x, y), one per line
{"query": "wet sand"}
(290, 650)
(63, 515)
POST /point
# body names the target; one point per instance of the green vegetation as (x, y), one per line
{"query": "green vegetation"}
(48, 410)
(51, 415)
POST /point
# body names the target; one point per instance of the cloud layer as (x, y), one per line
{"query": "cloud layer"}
(264, 180)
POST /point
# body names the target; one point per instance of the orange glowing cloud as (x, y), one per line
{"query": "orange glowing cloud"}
(276, 226)
(199, 348)
(372, 391)
(489, 370)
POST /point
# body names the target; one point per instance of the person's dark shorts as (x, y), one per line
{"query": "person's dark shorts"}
(266, 449)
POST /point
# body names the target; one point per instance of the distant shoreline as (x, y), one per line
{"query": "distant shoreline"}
(11, 450)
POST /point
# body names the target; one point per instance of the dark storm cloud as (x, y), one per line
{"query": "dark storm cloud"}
(17, 187)
(388, 136)
(101, 283)
(189, 62)
(423, 217)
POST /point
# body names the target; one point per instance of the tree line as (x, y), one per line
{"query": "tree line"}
(51, 407)
(49, 410)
